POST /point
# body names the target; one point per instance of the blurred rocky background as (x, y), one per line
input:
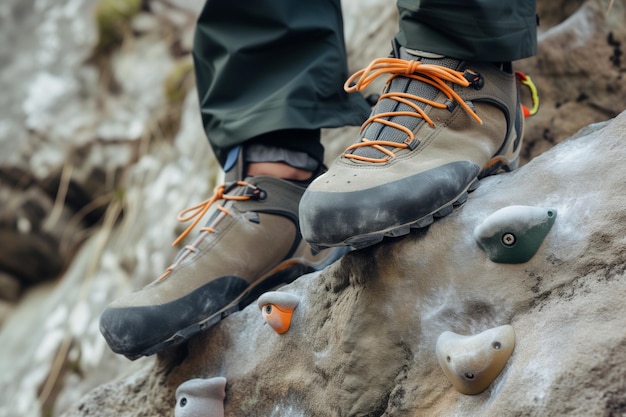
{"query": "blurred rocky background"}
(101, 146)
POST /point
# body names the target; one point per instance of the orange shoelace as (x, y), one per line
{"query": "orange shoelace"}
(433, 75)
(197, 212)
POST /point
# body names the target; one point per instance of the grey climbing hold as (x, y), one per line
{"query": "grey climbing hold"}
(201, 398)
(514, 234)
(471, 363)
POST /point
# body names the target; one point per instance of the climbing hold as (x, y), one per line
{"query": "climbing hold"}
(471, 363)
(201, 398)
(513, 234)
(277, 308)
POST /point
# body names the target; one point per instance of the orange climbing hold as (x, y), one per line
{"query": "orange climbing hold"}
(277, 309)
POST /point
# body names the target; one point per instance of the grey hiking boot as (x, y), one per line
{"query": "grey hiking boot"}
(249, 245)
(440, 125)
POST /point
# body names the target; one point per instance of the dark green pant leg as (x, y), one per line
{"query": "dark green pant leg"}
(267, 65)
(478, 30)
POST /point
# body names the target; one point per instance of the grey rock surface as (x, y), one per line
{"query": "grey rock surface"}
(362, 339)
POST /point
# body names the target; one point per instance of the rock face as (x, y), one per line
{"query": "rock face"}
(579, 69)
(97, 158)
(362, 338)
(66, 140)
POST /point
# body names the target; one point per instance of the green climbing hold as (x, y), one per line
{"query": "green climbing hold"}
(514, 234)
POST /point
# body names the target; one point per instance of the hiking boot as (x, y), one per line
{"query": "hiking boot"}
(440, 125)
(250, 244)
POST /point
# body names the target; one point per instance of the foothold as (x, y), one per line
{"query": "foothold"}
(471, 363)
(201, 398)
(513, 234)
(277, 308)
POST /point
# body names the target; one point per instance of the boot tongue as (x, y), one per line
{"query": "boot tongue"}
(379, 131)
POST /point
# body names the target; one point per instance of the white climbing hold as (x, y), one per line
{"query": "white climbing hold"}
(201, 398)
(472, 362)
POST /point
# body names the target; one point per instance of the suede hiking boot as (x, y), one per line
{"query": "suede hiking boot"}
(249, 245)
(440, 125)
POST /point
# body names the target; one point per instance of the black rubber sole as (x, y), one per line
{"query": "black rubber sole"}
(363, 241)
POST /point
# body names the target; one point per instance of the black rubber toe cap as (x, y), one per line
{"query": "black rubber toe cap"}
(134, 330)
(330, 218)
